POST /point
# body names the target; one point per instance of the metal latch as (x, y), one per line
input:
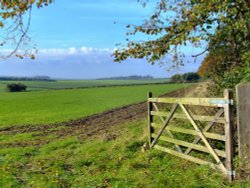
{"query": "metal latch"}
(221, 101)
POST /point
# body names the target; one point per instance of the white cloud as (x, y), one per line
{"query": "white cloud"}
(52, 51)
(74, 51)
(86, 50)
(83, 62)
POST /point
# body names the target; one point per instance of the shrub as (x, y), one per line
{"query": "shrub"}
(191, 77)
(13, 87)
(187, 77)
(176, 78)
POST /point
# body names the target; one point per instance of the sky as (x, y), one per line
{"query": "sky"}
(75, 40)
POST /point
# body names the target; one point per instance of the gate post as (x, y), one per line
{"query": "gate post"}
(150, 117)
(243, 123)
(228, 112)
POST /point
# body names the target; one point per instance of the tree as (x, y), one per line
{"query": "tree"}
(13, 26)
(191, 77)
(184, 22)
(210, 66)
(229, 63)
(176, 78)
(16, 87)
(187, 77)
(224, 73)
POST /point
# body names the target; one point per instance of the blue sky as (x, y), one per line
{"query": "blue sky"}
(75, 39)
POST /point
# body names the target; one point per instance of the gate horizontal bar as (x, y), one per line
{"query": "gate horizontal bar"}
(219, 102)
(190, 145)
(192, 132)
(195, 117)
(187, 157)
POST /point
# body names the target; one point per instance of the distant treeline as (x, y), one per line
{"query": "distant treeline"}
(133, 77)
(35, 78)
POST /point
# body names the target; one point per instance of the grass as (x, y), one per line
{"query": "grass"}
(120, 162)
(42, 107)
(111, 159)
(69, 84)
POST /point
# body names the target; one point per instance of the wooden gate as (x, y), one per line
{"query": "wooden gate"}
(167, 135)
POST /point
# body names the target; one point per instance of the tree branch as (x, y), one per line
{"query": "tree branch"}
(199, 54)
(22, 31)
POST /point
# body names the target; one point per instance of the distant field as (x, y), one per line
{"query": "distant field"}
(66, 84)
(42, 107)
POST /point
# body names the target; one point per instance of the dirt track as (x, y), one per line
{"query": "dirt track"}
(90, 126)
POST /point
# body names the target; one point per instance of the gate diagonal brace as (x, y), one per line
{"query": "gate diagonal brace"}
(209, 126)
(168, 132)
(174, 108)
(203, 138)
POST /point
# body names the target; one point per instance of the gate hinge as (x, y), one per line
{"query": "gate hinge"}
(231, 173)
(231, 102)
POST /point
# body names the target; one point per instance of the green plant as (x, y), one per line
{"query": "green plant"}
(16, 87)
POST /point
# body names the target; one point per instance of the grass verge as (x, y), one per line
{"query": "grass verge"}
(114, 159)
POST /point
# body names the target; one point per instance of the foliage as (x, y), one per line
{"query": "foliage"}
(14, 25)
(191, 77)
(225, 72)
(229, 64)
(16, 87)
(176, 78)
(187, 77)
(209, 66)
(179, 23)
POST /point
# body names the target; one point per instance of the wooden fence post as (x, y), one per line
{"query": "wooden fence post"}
(150, 118)
(228, 110)
(243, 124)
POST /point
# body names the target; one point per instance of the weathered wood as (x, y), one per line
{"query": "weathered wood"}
(195, 117)
(150, 117)
(190, 145)
(228, 94)
(243, 123)
(168, 131)
(186, 157)
(219, 102)
(174, 108)
(226, 104)
(212, 152)
(192, 132)
(207, 127)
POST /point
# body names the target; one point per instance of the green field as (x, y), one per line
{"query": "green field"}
(59, 157)
(42, 107)
(69, 84)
